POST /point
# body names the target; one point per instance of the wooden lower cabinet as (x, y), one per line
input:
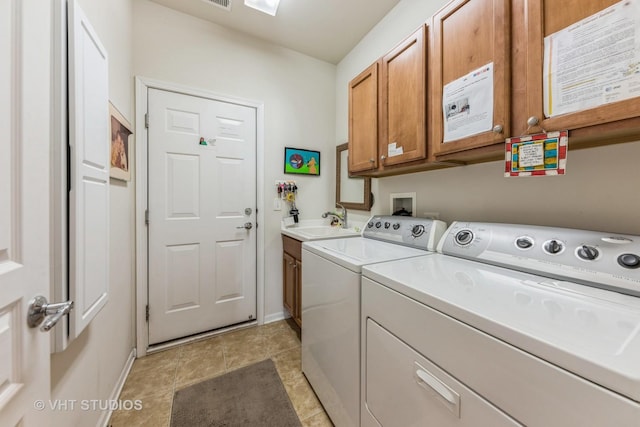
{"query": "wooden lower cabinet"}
(292, 277)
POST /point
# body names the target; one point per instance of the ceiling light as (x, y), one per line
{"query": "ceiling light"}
(267, 6)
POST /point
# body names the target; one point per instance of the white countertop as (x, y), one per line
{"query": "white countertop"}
(318, 229)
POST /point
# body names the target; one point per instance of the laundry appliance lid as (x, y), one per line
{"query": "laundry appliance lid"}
(354, 252)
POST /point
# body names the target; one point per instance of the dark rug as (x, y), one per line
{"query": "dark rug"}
(249, 396)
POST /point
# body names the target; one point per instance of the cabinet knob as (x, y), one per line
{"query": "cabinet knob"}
(372, 160)
(383, 157)
(533, 121)
(497, 129)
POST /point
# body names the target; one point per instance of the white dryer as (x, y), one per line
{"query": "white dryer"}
(508, 325)
(331, 304)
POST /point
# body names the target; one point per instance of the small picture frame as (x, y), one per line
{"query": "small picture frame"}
(121, 145)
(301, 162)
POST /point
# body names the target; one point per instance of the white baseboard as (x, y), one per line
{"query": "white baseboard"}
(106, 416)
(276, 316)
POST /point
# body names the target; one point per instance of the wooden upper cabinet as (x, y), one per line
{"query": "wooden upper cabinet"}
(363, 121)
(467, 35)
(402, 105)
(543, 18)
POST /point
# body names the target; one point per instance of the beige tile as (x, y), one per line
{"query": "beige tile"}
(319, 420)
(302, 396)
(244, 348)
(154, 378)
(162, 360)
(200, 365)
(288, 364)
(241, 335)
(200, 348)
(151, 381)
(156, 412)
(274, 327)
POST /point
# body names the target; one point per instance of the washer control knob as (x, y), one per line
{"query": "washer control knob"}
(464, 237)
(396, 225)
(370, 224)
(387, 225)
(417, 230)
(588, 253)
(524, 242)
(378, 224)
(629, 260)
(553, 247)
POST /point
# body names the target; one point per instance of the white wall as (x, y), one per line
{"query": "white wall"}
(297, 92)
(91, 366)
(599, 191)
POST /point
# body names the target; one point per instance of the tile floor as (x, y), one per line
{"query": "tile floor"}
(153, 379)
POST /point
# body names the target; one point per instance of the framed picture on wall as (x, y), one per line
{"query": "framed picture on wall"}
(301, 162)
(121, 145)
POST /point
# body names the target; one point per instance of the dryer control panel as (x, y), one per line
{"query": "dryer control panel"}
(599, 259)
(419, 233)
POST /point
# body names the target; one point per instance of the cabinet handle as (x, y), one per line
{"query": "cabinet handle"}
(533, 121)
(497, 129)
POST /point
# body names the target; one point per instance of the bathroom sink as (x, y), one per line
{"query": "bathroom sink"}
(318, 232)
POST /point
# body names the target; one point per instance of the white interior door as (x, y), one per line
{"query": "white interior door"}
(24, 208)
(202, 192)
(89, 158)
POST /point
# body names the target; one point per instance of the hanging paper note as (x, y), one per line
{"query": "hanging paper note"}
(537, 155)
(467, 104)
(594, 61)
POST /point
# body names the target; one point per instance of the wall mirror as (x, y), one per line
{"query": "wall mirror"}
(351, 192)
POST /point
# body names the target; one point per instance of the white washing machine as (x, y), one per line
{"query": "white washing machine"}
(507, 325)
(331, 304)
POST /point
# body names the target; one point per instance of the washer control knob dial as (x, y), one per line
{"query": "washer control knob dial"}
(370, 224)
(524, 242)
(396, 225)
(588, 253)
(629, 260)
(553, 247)
(417, 230)
(378, 224)
(464, 237)
(387, 225)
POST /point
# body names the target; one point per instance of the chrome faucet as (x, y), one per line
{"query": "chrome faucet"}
(341, 216)
(344, 215)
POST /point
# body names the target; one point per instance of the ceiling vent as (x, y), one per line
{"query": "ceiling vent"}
(224, 4)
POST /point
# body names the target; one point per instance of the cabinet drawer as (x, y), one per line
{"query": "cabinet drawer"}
(292, 246)
(403, 388)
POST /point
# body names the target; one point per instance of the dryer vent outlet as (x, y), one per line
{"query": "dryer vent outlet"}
(224, 4)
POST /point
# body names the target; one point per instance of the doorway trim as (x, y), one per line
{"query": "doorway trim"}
(142, 85)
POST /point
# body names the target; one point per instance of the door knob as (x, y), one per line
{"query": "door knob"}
(247, 225)
(39, 308)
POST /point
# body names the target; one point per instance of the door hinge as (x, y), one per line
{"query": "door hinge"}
(146, 314)
(146, 217)
(146, 120)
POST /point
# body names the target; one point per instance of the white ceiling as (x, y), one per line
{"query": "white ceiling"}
(323, 29)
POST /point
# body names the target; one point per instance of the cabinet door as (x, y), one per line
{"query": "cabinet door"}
(298, 287)
(545, 17)
(468, 35)
(289, 275)
(363, 121)
(402, 104)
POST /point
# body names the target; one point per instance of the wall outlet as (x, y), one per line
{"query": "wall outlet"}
(277, 204)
